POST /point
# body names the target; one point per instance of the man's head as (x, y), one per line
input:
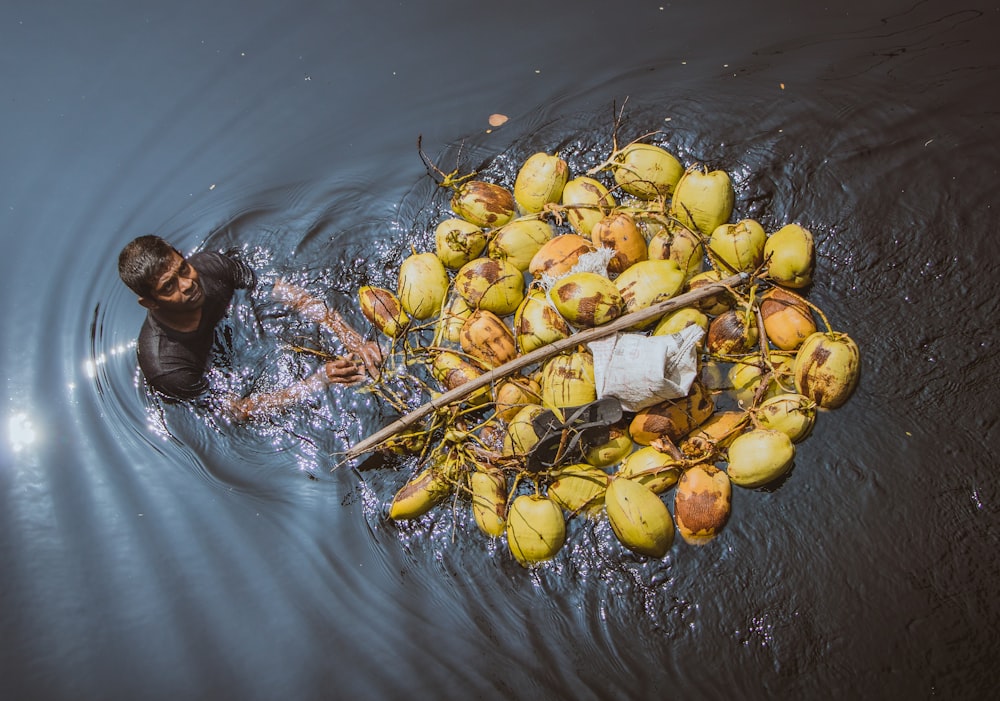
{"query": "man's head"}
(160, 275)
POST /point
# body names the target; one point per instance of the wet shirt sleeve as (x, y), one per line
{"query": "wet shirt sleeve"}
(226, 268)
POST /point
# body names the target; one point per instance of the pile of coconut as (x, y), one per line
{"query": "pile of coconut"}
(521, 275)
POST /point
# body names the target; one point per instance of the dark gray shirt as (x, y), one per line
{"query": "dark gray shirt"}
(174, 362)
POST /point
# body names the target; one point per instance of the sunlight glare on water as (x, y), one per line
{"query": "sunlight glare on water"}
(22, 432)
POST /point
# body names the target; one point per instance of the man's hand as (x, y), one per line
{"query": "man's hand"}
(314, 309)
(371, 356)
(344, 370)
(237, 409)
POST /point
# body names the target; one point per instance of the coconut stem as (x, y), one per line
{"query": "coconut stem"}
(762, 335)
(615, 150)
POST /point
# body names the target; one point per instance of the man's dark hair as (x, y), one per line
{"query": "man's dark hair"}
(143, 261)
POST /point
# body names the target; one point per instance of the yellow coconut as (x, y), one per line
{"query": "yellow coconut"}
(702, 503)
(639, 518)
(537, 322)
(423, 285)
(619, 232)
(491, 431)
(611, 451)
(739, 246)
(646, 171)
(383, 309)
(759, 456)
(714, 304)
(452, 370)
(489, 500)
(457, 241)
(519, 241)
(703, 199)
(792, 414)
(674, 418)
(453, 316)
(520, 435)
(536, 529)
(486, 338)
(513, 393)
(587, 201)
(421, 494)
(567, 380)
(670, 240)
(827, 368)
(648, 282)
(579, 488)
(789, 256)
(718, 431)
(494, 285)
(745, 378)
(559, 255)
(587, 299)
(484, 204)
(540, 181)
(733, 332)
(678, 320)
(650, 221)
(652, 467)
(788, 321)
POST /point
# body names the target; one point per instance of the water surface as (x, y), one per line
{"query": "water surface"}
(155, 551)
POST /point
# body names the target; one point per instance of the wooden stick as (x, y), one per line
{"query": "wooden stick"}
(620, 324)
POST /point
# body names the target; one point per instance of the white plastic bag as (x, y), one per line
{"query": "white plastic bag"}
(643, 370)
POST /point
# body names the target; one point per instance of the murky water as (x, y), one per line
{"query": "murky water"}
(157, 552)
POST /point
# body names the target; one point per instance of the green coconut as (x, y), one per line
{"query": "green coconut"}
(703, 199)
(536, 529)
(639, 518)
(457, 241)
(587, 299)
(423, 285)
(540, 181)
(646, 171)
(494, 285)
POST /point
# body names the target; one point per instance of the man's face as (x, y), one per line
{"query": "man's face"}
(178, 289)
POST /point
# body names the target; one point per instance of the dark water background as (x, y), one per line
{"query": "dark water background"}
(152, 552)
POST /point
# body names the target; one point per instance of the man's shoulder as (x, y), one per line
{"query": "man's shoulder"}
(223, 267)
(212, 263)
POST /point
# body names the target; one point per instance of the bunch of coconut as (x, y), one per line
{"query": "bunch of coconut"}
(513, 271)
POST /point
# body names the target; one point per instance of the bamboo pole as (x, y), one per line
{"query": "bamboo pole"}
(620, 324)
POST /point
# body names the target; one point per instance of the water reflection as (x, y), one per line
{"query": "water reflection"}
(22, 432)
(92, 366)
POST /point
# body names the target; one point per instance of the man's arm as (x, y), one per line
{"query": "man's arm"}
(341, 370)
(243, 277)
(315, 309)
(345, 370)
(369, 351)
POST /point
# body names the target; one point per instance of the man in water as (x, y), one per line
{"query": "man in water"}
(187, 297)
